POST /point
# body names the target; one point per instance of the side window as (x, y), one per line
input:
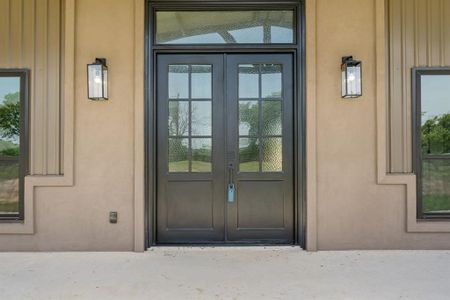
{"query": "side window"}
(13, 142)
(432, 146)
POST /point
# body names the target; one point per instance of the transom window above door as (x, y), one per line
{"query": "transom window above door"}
(225, 27)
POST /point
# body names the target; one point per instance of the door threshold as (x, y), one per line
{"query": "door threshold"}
(227, 244)
(219, 247)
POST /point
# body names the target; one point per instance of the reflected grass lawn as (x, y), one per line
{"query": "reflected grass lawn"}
(183, 166)
(9, 170)
(9, 207)
(250, 166)
(436, 203)
(200, 166)
(436, 185)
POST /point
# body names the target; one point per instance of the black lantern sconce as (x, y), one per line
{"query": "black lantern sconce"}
(351, 77)
(98, 80)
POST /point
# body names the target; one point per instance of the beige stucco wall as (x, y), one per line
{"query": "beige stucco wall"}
(354, 211)
(349, 207)
(76, 218)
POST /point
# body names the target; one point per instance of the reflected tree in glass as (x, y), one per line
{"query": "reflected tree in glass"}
(248, 118)
(271, 115)
(178, 155)
(248, 155)
(178, 118)
(436, 135)
(9, 147)
(201, 155)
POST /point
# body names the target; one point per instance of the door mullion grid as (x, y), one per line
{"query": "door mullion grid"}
(259, 138)
(190, 117)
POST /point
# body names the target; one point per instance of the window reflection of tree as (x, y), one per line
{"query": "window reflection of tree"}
(271, 122)
(435, 166)
(436, 135)
(9, 152)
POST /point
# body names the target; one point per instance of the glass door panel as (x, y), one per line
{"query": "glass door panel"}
(260, 132)
(190, 148)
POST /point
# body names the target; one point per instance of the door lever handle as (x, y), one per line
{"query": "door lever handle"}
(230, 193)
(231, 189)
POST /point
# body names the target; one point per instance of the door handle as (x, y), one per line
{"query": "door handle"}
(231, 189)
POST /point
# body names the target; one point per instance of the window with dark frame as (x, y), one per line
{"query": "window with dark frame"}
(13, 142)
(431, 89)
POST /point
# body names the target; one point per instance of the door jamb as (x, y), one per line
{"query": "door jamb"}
(298, 51)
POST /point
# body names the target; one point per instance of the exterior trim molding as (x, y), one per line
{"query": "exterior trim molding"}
(311, 134)
(32, 181)
(383, 177)
(139, 125)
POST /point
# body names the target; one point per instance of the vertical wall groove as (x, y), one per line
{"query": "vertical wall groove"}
(53, 100)
(442, 37)
(4, 31)
(419, 35)
(30, 35)
(404, 76)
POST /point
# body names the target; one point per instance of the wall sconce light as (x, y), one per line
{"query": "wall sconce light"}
(98, 80)
(351, 77)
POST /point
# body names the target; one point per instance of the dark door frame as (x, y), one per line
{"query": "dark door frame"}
(298, 51)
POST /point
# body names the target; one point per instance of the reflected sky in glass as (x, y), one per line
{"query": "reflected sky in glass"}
(250, 35)
(435, 97)
(209, 38)
(8, 85)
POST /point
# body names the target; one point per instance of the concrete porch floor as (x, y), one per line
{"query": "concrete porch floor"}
(226, 273)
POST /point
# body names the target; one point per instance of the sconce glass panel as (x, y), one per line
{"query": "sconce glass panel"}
(98, 80)
(351, 78)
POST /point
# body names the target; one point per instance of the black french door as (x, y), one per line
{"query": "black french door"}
(225, 148)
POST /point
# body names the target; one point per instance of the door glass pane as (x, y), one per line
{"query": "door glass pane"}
(435, 101)
(178, 81)
(271, 81)
(178, 118)
(178, 155)
(436, 185)
(201, 82)
(248, 81)
(201, 118)
(9, 144)
(248, 118)
(201, 155)
(248, 155)
(271, 118)
(225, 27)
(272, 160)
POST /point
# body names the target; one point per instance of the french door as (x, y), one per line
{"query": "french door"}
(225, 148)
